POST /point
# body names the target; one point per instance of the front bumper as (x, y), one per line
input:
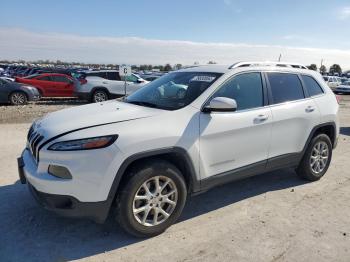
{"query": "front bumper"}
(63, 205)
(70, 207)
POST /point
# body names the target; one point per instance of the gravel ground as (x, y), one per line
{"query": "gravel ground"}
(273, 217)
(31, 111)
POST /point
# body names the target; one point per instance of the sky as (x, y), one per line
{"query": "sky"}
(181, 31)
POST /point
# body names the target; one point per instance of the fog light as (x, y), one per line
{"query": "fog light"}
(59, 171)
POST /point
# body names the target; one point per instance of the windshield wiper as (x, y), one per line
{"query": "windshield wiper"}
(142, 103)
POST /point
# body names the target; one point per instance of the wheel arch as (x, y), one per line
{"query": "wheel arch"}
(175, 155)
(17, 91)
(96, 88)
(328, 128)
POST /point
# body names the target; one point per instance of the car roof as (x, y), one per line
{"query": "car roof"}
(228, 68)
(52, 74)
(100, 71)
(207, 68)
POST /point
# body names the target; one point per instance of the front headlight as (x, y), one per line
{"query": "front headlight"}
(84, 144)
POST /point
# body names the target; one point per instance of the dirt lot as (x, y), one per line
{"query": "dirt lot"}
(273, 217)
(27, 113)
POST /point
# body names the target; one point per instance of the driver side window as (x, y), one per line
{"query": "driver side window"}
(130, 78)
(246, 89)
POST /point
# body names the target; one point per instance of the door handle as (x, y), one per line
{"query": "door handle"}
(261, 118)
(309, 109)
(105, 82)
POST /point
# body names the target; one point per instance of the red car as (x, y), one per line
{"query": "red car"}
(51, 85)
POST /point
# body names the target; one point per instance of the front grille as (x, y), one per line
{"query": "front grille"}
(34, 139)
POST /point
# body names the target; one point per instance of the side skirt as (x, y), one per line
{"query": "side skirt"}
(275, 163)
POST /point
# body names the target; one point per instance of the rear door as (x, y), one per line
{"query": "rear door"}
(294, 114)
(46, 85)
(115, 84)
(63, 86)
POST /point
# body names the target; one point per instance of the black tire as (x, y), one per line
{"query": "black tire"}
(18, 98)
(99, 96)
(136, 177)
(304, 169)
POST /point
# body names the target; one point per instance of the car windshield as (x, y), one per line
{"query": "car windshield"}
(174, 90)
(347, 83)
(325, 78)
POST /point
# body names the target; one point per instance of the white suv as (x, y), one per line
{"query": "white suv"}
(99, 86)
(183, 133)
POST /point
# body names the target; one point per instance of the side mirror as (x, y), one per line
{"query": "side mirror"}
(140, 81)
(221, 104)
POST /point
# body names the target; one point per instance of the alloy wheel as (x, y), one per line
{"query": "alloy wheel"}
(18, 99)
(319, 157)
(155, 201)
(100, 96)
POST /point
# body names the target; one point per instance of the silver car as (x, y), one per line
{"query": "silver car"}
(343, 88)
(99, 86)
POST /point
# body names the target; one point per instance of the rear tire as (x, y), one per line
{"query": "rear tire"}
(99, 96)
(18, 98)
(316, 159)
(160, 208)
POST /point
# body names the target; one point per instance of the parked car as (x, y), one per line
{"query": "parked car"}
(51, 85)
(344, 88)
(99, 86)
(7, 78)
(143, 156)
(332, 81)
(344, 79)
(16, 93)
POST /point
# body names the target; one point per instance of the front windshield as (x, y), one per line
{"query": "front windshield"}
(174, 90)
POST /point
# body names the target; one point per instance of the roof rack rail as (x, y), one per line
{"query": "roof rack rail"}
(280, 64)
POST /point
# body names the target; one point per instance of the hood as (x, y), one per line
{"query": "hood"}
(90, 115)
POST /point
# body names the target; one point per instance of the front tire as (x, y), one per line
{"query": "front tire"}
(316, 159)
(152, 199)
(18, 98)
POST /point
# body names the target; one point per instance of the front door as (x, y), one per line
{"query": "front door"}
(240, 139)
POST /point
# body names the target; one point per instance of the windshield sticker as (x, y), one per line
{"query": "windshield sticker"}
(203, 78)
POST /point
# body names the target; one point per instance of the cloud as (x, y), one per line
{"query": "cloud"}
(344, 13)
(231, 6)
(291, 37)
(27, 45)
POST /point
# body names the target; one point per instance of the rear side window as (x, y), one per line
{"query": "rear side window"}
(44, 78)
(99, 74)
(312, 86)
(285, 87)
(61, 79)
(113, 76)
(246, 89)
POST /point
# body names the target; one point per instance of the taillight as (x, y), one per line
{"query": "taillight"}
(83, 81)
(338, 98)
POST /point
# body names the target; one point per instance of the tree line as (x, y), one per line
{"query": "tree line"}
(323, 69)
(148, 67)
